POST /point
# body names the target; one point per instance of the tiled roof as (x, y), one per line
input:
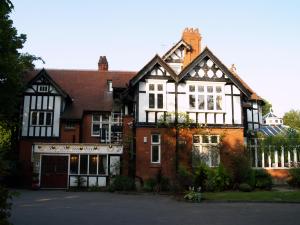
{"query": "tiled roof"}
(87, 89)
(253, 96)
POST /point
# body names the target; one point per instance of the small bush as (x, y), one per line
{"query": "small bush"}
(240, 169)
(294, 178)
(192, 195)
(245, 187)
(184, 177)
(201, 175)
(149, 185)
(218, 179)
(122, 183)
(263, 180)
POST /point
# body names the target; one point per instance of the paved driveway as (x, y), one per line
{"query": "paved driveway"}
(63, 208)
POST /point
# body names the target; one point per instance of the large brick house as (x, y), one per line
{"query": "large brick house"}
(96, 124)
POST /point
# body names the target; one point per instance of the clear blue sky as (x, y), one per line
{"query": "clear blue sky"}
(261, 37)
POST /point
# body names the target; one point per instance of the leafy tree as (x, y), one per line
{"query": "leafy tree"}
(292, 119)
(12, 64)
(266, 108)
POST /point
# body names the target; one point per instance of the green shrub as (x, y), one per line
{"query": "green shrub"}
(294, 178)
(201, 175)
(240, 169)
(5, 205)
(263, 180)
(149, 185)
(245, 187)
(218, 179)
(122, 183)
(184, 177)
(163, 183)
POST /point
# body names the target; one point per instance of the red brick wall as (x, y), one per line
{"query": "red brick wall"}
(87, 130)
(232, 137)
(69, 135)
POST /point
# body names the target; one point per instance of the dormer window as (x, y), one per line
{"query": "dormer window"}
(43, 88)
(109, 86)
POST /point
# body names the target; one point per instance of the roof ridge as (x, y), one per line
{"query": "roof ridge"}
(88, 70)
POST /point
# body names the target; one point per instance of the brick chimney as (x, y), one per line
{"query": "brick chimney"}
(193, 38)
(103, 64)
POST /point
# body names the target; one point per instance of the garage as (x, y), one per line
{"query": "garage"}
(54, 171)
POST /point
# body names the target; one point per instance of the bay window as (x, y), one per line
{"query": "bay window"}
(206, 97)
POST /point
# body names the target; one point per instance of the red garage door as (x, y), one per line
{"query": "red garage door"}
(54, 172)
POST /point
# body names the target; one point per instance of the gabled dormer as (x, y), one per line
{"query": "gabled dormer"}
(44, 100)
(153, 90)
(184, 51)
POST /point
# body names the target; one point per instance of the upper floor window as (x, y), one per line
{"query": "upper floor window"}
(206, 97)
(43, 88)
(155, 148)
(156, 96)
(100, 126)
(41, 118)
(70, 125)
(109, 86)
(206, 149)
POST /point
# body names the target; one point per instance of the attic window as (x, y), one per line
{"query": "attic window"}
(43, 88)
(109, 86)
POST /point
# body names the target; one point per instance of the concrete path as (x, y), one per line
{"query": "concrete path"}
(87, 208)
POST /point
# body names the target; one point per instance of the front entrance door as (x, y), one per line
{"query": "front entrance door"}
(54, 171)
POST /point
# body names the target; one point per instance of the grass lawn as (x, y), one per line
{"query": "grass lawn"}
(264, 196)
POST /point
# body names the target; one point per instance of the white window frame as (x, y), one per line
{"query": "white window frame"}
(158, 144)
(38, 118)
(100, 123)
(156, 92)
(109, 86)
(199, 146)
(196, 93)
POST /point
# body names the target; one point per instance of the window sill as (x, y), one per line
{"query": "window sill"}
(207, 111)
(156, 110)
(155, 165)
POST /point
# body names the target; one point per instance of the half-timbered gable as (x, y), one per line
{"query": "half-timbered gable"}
(175, 56)
(44, 101)
(154, 91)
(213, 94)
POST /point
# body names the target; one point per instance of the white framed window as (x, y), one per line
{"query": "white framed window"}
(100, 126)
(206, 97)
(156, 93)
(43, 88)
(109, 86)
(41, 118)
(107, 126)
(206, 149)
(155, 148)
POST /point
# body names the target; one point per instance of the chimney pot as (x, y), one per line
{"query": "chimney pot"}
(102, 64)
